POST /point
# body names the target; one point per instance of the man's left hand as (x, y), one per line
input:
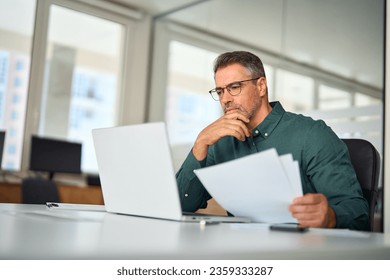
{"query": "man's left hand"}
(312, 210)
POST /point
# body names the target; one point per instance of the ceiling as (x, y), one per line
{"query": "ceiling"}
(342, 37)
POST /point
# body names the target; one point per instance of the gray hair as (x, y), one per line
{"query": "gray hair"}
(250, 61)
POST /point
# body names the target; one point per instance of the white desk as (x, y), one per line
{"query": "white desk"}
(36, 232)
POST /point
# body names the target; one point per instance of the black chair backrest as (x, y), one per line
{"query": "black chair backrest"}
(39, 191)
(366, 162)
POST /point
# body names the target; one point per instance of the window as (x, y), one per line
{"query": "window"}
(82, 78)
(16, 29)
(294, 91)
(189, 107)
(350, 114)
(333, 98)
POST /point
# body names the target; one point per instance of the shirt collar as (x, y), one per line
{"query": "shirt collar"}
(266, 127)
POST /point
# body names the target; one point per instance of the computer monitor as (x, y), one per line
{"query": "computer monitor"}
(53, 155)
(2, 139)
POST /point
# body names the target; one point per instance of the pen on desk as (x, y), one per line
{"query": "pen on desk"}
(51, 204)
(76, 207)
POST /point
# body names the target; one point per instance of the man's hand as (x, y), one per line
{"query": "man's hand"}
(312, 210)
(230, 124)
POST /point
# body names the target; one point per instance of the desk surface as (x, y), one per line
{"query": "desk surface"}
(36, 232)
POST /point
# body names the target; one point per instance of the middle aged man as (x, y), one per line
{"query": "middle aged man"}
(250, 123)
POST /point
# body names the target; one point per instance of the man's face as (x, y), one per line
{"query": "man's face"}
(248, 102)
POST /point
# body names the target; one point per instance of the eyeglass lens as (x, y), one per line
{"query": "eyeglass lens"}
(233, 89)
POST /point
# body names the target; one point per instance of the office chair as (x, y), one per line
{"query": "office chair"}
(366, 162)
(37, 190)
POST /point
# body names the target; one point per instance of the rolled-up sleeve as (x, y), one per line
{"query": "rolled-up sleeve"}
(193, 195)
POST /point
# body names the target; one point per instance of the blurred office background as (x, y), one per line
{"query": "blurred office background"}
(68, 66)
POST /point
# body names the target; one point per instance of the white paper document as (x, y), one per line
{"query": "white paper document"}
(258, 186)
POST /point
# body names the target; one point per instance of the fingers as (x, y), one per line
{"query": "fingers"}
(234, 124)
(230, 124)
(235, 128)
(310, 219)
(310, 210)
(236, 114)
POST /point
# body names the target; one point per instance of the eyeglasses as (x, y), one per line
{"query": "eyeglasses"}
(233, 89)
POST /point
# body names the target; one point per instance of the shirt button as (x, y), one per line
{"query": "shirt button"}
(266, 134)
(186, 195)
(256, 131)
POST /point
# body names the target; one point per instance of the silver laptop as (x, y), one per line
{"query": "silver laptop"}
(137, 175)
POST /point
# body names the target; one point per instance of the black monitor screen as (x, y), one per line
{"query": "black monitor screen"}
(2, 138)
(51, 155)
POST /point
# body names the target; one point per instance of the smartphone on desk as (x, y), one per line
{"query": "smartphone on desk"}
(288, 227)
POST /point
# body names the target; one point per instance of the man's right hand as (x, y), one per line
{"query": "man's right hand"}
(230, 124)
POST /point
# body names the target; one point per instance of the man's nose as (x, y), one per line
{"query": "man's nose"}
(225, 97)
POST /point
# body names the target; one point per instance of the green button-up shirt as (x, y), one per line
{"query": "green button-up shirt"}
(323, 159)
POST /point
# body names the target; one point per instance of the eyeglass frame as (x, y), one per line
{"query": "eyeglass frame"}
(214, 90)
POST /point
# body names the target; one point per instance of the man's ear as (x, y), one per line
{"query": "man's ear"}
(262, 86)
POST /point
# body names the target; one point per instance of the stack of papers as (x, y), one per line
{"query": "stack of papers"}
(259, 186)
